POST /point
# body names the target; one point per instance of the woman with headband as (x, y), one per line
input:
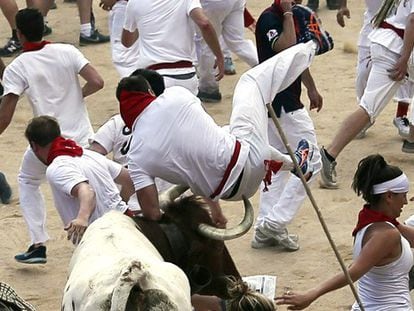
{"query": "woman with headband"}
(382, 254)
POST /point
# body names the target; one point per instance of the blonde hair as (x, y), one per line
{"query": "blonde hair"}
(242, 298)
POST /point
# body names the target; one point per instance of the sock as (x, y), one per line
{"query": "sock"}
(14, 35)
(330, 158)
(402, 109)
(86, 29)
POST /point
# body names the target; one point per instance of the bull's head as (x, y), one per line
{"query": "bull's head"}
(207, 229)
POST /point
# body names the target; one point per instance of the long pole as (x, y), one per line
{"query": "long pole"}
(315, 205)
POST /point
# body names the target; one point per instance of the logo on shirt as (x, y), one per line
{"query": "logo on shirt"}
(271, 34)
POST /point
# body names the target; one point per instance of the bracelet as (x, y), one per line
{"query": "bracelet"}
(288, 13)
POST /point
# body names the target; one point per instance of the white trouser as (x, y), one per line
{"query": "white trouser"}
(227, 20)
(363, 69)
(31, 175)
(380, 88)
(124, 59)
(248, 121)
(190, 84)
(280, 204)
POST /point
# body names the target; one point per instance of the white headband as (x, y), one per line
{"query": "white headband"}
(397, 185)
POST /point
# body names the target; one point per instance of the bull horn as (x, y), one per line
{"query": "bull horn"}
(232, 233)
(171, 194)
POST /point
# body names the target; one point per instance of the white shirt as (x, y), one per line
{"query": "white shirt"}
(65, 172)
(49, 77)
(372, 6)
(176, 140)
(385, 288)
(166, 31)
(115, 137)
(398, 18)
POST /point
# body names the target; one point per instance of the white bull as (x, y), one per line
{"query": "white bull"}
(115, 259)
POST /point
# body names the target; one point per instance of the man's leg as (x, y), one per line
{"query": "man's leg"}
(88, 33)
(378, 92)
(13, 46)
(403, 98)
(31, 175)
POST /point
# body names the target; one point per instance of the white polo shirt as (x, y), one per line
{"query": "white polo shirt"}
(176, 140)
(166, 31)
(65, 172)
(49, 77)
(372, 6)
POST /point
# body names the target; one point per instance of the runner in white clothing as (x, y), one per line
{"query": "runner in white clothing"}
(165, 31)
(82, 181)
(54, 90)
(391, 49)
(187, 147)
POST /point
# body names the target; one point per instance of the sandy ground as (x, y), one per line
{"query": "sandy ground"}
(334, 74)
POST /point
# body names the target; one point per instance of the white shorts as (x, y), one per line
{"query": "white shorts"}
(380, 88)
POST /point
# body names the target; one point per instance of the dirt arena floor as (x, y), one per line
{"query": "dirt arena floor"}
(334, 73)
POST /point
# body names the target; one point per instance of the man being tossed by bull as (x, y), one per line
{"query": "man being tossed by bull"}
(176, 140)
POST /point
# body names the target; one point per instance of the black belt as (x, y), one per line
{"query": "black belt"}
(235, 187)
(183, 76)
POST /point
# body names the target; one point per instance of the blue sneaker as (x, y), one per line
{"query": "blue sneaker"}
(34, 255)
(9, 300)
(5, 190)
(304, 154)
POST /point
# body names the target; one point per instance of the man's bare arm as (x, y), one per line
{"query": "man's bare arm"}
(148, 200)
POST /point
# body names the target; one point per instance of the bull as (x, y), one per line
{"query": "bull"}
(137, 264)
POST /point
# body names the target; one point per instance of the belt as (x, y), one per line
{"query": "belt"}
(398, 31)
(183, 76)
(179, 64)
(231, 165)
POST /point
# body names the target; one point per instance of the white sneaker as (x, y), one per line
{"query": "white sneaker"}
(403, 126)
(282, 238)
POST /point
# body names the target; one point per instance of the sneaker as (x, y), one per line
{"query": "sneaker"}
(10, 299)
(53, 6)
(304, 155)
(282, 237)
(33, 255)
(95, 38)
(403, 126)
(5, 190)
(260, 241)
(309, 28)
(333, 4)
(213, 97)
(328, 172)
(363, 132)
(407, 147)
(313, 5)
(11, 48)
(46, 30)
(229, 68)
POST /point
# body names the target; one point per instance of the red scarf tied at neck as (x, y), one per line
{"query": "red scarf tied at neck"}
(61, 146)
(131, 104)
(34, 46)
(368, 216)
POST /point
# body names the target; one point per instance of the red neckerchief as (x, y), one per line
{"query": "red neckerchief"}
(34, 46)
(368, 216)
(131, 104)
(61, 146)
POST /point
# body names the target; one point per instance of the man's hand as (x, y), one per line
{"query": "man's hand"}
(286, 5)
(316, 100)
(399, 71)
(219, 64)
(107, 4)
(343, 11)
(76, 228)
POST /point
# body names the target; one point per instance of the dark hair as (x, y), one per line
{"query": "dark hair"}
(155, 80)
(30, 23)
(242, 298)
(42, 130)
(372, 170)
(135, 83)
